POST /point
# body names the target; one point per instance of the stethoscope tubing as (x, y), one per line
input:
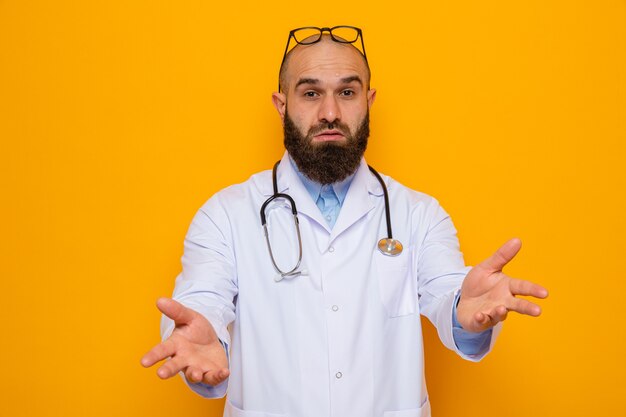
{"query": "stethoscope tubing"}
(386, 197)
(387, 246)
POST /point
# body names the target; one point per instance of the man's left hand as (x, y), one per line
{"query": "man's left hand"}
(487, 294)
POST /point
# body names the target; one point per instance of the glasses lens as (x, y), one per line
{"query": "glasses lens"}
(307, 36)
(345, 34)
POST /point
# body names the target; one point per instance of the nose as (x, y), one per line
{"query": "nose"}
(329, 110)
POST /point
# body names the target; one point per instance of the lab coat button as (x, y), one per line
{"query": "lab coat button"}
(338, 375)
(331, 249)
(335, 308)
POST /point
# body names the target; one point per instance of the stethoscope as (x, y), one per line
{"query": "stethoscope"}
(388, 246)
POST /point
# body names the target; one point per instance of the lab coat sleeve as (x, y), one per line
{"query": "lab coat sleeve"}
(208, 283)
(440, 272)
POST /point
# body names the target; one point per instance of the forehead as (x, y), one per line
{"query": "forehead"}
(326, 60)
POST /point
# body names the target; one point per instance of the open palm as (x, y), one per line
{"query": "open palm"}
(193, 347)
(487, 294)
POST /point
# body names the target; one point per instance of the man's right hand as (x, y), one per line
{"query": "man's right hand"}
(193, 347)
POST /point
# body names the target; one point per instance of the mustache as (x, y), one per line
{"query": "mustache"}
(322, 127)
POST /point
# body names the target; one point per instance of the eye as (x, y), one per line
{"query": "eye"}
(347, 93)
(310, 94)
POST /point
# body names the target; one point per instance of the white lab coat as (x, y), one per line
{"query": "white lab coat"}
(344, 340)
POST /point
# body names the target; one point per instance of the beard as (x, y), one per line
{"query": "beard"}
(326, 162)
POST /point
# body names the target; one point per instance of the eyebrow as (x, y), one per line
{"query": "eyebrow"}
(348, 80)
(311, 81)
(315, 81)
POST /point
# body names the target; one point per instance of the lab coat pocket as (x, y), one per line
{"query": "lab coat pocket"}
(231, 411)
(423, 411)
(396, 284)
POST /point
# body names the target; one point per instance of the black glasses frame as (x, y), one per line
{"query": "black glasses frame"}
(292, 34)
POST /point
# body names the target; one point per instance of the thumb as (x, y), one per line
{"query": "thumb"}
(175, 310)
(502, 256)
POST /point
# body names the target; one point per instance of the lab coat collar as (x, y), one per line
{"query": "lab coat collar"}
(267, 188)
(288, 182)
(361, 198)
(355, 206)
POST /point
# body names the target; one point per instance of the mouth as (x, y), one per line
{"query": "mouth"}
(329, 136)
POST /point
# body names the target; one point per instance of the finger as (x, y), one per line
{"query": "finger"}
(499, 314)
(483, 321)
(193, 374)
(519, 305)
(481, 318)
(522, 287)
(491, 318)
(175, 310)
(158, 353)
(502, 256)
(215, 377)
(171, 368)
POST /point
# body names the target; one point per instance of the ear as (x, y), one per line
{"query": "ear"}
(371, 96)
(280, 102)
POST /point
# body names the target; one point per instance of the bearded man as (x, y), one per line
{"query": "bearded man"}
(306, 311)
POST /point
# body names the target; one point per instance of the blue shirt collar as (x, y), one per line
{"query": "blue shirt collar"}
(314, 188)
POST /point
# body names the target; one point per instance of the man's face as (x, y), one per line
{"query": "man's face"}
(325, 109)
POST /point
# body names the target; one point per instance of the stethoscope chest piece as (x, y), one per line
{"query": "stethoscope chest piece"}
(390, 247)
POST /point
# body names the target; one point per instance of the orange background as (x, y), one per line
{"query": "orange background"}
(118, 119)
